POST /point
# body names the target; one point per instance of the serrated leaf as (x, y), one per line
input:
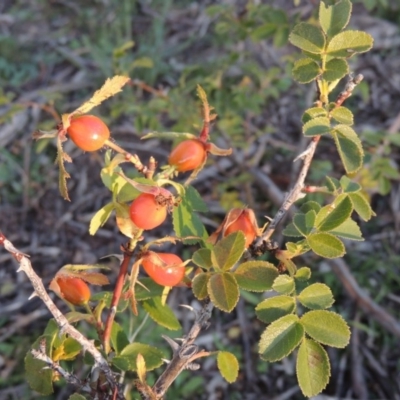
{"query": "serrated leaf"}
(316, 296)
(342, 115)
(39, 377)
(202, 258)
(148, 289)
(335, 17)
(317, 126)
(281, 338)
(126, 361)
(161, 313)
(224, 291)
(63, 174)
(284, 284)
(348, 186)
(227, 252)
(256, 276)
(348, 230)
(119, 340)
(326, 245)
(349, 147)
(361, 206)
(228, 366)
(111, 87)
(199, 285)
(76, 396)
(310, 206)
(333, 184)
(100, 218)
(195, 200)
(304, 222)
(347, 43)
(274, 308)
(291, 230)
(334, 215)
(312, 368)
(312, 113)
(335, 69)
(187, 223)
(326, 327)
(305, 70)
(308, 38)
(303, 274)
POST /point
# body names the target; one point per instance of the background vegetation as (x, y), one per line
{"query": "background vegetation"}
(53, 54)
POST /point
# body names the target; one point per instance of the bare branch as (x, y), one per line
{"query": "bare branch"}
(40, 291)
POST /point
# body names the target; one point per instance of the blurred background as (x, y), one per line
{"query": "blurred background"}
(55, 53)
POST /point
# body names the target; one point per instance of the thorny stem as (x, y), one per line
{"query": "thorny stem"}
(183, 355)
(294, 194)
(65, 327)
(123, 270)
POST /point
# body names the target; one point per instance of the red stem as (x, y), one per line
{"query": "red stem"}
(115, 299)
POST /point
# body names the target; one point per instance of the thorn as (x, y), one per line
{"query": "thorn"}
(174, 346)
(268, 218)
(34, 294)
(188, 307)
(301, 155)
(166, 360)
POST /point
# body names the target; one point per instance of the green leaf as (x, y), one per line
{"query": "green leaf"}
(309, 206)
(334, 215)
(347, 43)
(348, 230)
(193, 198)
(161, 313)
(284, 284)
(349, 147)
(334, 18)
(202, 258)
(316, 296)
(361, 206)
(348, 186)
(335, 69)
(187, 222)
(303, 274)
(39, 377)
(312, 113)
(256, 276)
(333, 184)
(281, 338)
(326, 245)
(274, 308)
(228, 365)
(342, 115)
(305, 70)
(304, 222)
(308, 38)
(291, 230)
(227, 252)
(76, 396)
(119, 340)
(224, 291)
(312, 368)
(326, 327)
(199, 285)
(150, 290)
(317, 126)
(126, 361)
(71, 348)
(100, 218)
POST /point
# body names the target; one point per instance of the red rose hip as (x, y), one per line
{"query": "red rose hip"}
(188, 155)
(146, 212)
(166, 269)
(88, 132)
(74, 290)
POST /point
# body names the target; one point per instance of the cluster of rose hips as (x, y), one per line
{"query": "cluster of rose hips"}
(148, 211)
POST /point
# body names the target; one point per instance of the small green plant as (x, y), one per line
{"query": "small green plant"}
(224, 264)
